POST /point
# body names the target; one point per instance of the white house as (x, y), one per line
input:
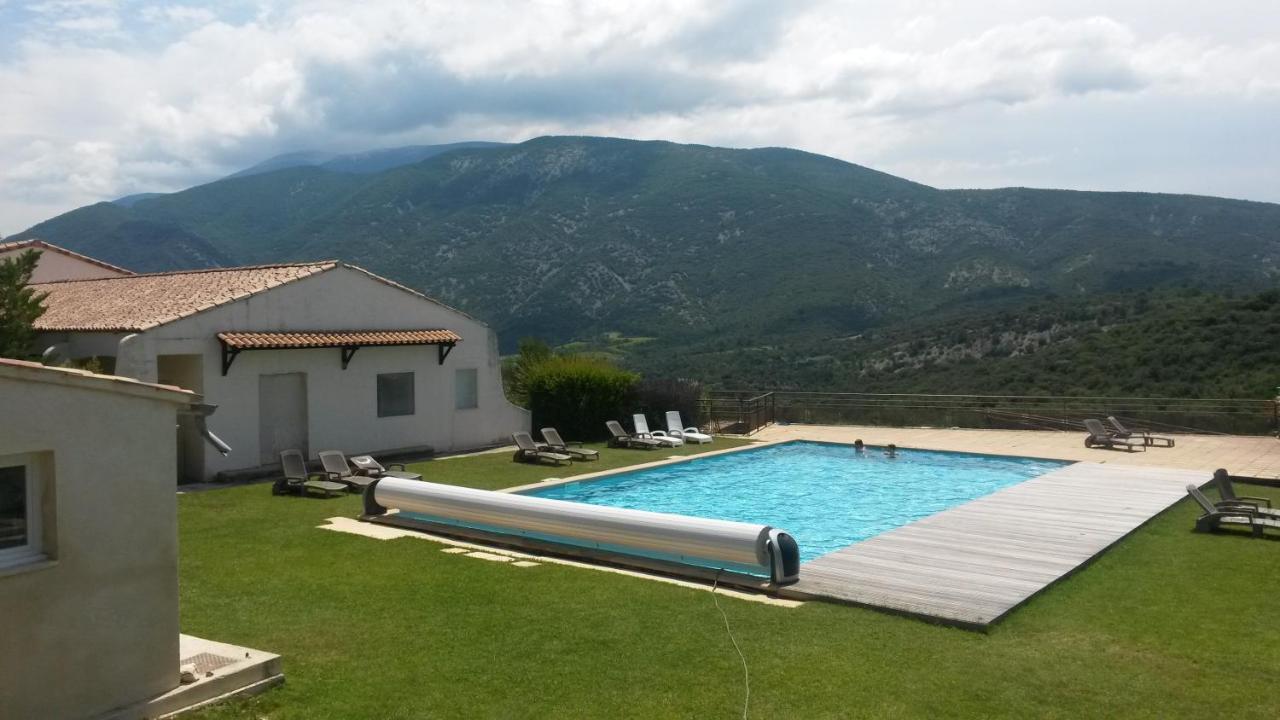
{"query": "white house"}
(89, 553)
(314, 356)
(58, 263)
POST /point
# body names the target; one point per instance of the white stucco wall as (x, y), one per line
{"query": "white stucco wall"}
(342, 404)
(54, 265)
(96, 627)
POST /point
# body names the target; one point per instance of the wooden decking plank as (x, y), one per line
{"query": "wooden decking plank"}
(973, 563)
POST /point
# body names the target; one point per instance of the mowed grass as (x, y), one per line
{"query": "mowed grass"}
(1168, 623)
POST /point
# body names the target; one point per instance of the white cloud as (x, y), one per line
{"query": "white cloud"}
(99, 99)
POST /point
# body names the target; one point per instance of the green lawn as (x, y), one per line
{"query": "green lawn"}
(1167, 624)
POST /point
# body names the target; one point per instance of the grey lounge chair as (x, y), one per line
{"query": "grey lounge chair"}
(1261, 506)
(528, 451)
(297, 479)
(336, 468)
(642, 431)
(620, 438)
(366, 465)
(553, 442)
(1148, 439)
(1099, 437)
(1239, 516)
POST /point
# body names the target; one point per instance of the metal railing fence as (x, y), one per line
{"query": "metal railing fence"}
(744, 412)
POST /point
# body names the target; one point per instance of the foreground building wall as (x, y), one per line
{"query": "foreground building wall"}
(90, 624)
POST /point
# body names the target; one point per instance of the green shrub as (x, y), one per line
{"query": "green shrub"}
(516, 369)
(576, 395)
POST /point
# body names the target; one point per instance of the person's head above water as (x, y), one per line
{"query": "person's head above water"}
(891, 450)
(857, 444)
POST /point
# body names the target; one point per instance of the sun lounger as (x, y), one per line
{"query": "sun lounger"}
(1147, 439)
(1240, 516)
(622, 439)
(676, 428)
(528, 451)
(1100, 437)
(1261, 506)
(553, 442)
(642, 431)
(366, 465)
(336, 468)
(297, 479)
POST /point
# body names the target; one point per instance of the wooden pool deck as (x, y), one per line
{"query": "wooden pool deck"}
(973, 564)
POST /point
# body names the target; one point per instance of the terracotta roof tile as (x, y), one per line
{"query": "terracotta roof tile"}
(34, 244)
(139, 302)
(336, 338)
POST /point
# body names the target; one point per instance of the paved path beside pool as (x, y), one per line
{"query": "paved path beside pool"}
(1240, 455)
(974, 563)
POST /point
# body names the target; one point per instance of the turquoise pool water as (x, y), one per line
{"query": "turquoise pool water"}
(827, 496)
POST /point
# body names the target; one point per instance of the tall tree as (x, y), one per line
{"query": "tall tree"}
(20, 305)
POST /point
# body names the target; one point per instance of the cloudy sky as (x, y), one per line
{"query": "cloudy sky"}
(102, 98)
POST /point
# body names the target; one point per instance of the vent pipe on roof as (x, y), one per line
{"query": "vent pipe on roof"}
(53, 354)
(129, 362)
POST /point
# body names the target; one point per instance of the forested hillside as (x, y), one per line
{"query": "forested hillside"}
(1186, 343)
(768, 258)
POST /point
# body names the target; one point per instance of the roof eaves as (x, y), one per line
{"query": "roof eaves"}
(321, 265)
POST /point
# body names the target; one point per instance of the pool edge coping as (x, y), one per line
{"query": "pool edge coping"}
(672, 460)
(752, 445)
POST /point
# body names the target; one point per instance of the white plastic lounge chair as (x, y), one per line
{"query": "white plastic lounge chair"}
(1240, 516)
(297, 479)
(1261, 506)
(528, 451)
(642, 430)
(1147, 439)
(1099, 437)
(676, 428)
(336, 468)
(366, 465)
(620, 438)
(553, 442)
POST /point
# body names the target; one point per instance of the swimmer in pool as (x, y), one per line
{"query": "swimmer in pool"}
(891, 451)
(858, 446)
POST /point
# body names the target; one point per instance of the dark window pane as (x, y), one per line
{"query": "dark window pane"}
(13, 506)
(395, 394)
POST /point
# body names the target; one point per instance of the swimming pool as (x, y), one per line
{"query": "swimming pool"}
(826, 495)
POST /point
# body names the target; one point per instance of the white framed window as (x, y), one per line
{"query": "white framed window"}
(21, 529)
(395, 394)
(466, 389)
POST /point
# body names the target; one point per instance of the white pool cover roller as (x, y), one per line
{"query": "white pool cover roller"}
(771, 551)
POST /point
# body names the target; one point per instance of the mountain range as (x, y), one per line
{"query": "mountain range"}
(683, 249)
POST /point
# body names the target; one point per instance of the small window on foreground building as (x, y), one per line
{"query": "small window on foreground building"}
(20, 530)
(466, 389)
(395, 394)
